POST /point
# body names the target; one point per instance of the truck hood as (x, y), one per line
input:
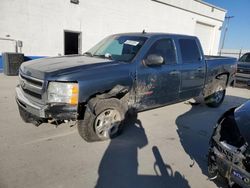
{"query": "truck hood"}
(41, 68)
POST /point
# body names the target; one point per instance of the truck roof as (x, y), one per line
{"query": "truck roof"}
(151, 34)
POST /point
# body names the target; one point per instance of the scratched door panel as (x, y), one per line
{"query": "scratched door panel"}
(158, 85)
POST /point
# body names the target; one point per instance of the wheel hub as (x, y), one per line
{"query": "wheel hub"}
(107, 123)
(218, 94)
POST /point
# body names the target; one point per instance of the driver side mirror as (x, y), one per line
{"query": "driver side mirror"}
(154, 60)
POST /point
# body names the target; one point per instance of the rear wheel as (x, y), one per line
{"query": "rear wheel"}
(105, 122)
(218, 96)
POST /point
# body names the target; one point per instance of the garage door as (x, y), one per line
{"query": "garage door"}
(205, 33)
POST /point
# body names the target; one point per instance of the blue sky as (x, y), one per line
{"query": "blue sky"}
(238, 35)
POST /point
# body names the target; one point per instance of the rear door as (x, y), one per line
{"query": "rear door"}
(193, 67)
(158, 85)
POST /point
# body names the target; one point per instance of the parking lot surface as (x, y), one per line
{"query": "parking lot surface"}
(165, 147)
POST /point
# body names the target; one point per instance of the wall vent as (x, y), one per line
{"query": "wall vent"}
(75, 1)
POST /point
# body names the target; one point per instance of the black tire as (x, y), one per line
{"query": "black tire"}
(211, 100)
(87, 126)
(212, 167)
(213, 173)
(216, 99)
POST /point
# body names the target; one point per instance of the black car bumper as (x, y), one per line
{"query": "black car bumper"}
(33, 112)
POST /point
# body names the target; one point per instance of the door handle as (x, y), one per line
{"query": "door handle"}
(200, 69)
(174, 72)
(132, 75)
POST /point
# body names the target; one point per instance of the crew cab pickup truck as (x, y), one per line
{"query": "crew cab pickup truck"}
(243, 71)
(138, 71)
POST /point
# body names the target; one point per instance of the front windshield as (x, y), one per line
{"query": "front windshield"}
(245, 58)
(120, 48)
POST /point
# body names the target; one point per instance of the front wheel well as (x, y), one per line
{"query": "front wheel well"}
(120, 92)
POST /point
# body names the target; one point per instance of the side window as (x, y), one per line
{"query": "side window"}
(245, 58)
(164, 48)
(248, 58)
(189, 50)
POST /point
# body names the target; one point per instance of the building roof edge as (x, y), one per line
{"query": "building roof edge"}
(211, 5)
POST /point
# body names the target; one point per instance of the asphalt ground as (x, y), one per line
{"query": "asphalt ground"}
(164, 147)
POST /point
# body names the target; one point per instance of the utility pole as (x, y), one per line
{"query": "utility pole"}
(227, 19)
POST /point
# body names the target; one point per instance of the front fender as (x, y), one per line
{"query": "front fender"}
(105, 88)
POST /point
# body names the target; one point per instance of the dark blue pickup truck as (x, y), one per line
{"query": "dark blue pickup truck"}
(138, 71)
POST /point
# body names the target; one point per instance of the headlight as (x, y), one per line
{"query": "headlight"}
(59, 92)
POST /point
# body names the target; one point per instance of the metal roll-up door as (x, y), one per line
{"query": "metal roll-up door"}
(205, 33)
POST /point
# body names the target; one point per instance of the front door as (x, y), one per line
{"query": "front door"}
(158, 85)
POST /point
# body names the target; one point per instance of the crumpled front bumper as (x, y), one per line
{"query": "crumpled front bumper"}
(33, 112)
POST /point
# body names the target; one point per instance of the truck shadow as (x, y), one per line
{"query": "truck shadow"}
(195, 129)
(119, 165)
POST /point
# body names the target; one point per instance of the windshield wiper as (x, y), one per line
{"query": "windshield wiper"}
(106, 56)
(88, 54)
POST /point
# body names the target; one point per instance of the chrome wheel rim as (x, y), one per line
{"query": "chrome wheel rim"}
(107, 123)
(218, 96)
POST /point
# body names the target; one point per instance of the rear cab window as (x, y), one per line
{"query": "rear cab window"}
(190, 52)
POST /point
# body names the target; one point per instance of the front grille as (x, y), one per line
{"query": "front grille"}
(33, 94)
(243, 70)
(31, 86)
(32, 81)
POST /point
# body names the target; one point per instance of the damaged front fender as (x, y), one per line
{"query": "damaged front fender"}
(119, 91)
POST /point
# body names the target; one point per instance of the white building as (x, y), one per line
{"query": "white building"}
(49, 28)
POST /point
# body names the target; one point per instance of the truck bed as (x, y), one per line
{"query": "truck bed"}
(218, 65)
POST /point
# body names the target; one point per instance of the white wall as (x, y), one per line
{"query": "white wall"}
(40, 24)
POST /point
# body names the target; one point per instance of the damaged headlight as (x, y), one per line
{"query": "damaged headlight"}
(61, 92)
